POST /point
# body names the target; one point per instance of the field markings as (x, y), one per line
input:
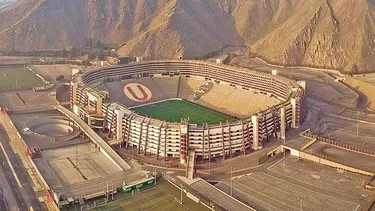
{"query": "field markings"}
(263, 195)
(358, 207)
(11, 101)
(310, 184)
(275, 163)
(301, 187)
(35, 96)
(24, 78)
(148, 199)
(42, 71)
(57, 177)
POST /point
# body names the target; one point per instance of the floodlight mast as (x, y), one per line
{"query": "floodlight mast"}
(77, 154)
(358, 113)
(231, 181)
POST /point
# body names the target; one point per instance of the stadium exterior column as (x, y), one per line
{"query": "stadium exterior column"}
(209, 143)
(124, 143)
(114, 116)
(275, 122)
(146, 138)
(203, 140)
(248, 132)
(293, 101)
(283, 123)
(120, 117)
(105, 120)
(264, 118)
(230, 141)
(184, 142)
(222, 140)
(140, 137)
(255, 123)
(73, 93)
(129, 123)
(165, 140)
(158, 146)
(99, 104)
(243, 139)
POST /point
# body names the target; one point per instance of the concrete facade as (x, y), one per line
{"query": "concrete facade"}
(174, 139)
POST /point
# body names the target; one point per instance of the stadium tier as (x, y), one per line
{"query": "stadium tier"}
(105, 99)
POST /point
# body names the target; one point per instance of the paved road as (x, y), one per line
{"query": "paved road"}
(8, 188)
(320, 85)
(22, 197)
(4, 189)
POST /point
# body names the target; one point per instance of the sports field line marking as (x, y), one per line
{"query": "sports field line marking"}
(11, 101)
(275, 163)
(171, 197)
(302, 187)
(45, 72)
(357, 207)
(254, 196)
(244, 169)
(32, 98)
(316, 185)
(266, 196)
(149, 199)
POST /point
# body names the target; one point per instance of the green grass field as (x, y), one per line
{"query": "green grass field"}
(18, 78)
(174, 110)
(151, 199)
(163, 197)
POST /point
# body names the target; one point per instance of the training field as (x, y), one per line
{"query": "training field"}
(152, 199)
(163, 197)
(174, 110)
(18, 78)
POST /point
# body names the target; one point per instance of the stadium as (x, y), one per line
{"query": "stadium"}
(169, 108)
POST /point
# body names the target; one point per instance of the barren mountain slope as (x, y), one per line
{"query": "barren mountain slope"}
(187, 28)
(54, 24)
(336, 34)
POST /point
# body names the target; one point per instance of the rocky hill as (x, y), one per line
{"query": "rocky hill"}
(337, 34)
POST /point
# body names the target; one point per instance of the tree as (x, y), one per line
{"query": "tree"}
(89, 42)
(101, 57)
(64, 53)
(60, 78)
(99, 44)
(91, 56)
(73, 52)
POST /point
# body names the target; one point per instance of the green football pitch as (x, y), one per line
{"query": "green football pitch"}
(18, 77)
(174, 110)
(163, 197)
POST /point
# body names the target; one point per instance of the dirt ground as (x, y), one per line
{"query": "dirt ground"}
(364, 86)
(50, 72)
